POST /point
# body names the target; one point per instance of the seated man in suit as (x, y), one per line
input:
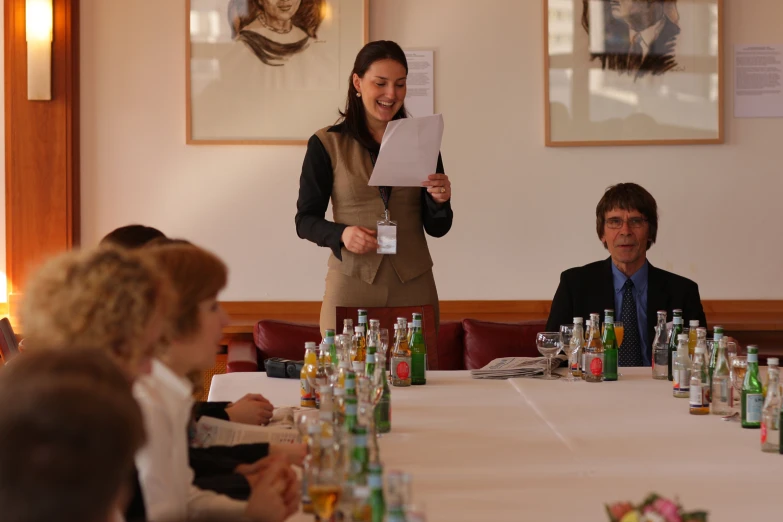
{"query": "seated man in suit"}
(627, 225)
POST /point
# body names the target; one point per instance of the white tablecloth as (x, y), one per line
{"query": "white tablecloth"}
(528, 449)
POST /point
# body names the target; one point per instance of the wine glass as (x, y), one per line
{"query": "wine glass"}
(548, 344)
(739, 366)
(566, 333)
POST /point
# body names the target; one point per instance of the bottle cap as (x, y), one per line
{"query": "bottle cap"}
(309, 346)
(700, 349)
(682, 337)
(577, 320)
(773, 361)
(693, 323)
(358, 329)
(753, 348)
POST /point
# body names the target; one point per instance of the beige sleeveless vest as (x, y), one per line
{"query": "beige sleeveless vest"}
(357, 204)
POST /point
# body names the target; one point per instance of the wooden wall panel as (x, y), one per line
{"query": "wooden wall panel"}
(756, 316)
(42, 146)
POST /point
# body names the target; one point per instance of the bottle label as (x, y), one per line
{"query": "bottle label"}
(358, 366)
(682, 380)
(306, 390)
(597, 366)
(360, 441)
(370, 358)
(402, 369)
(351, 409)
(375, 481)
(698, 398)
(754, 403)
(753, 358)
(763, 432)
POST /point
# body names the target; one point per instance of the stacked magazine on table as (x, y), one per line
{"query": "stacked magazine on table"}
(507, 367)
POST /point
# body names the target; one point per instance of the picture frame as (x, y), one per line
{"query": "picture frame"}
(268, 71)
(633, 72)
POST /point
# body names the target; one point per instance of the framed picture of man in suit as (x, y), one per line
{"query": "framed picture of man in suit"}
(268, 71)
(633, 72)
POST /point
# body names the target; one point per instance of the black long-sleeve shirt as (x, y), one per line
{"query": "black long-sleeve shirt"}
(315, 190)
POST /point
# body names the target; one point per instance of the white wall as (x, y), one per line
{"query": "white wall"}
(523, 212)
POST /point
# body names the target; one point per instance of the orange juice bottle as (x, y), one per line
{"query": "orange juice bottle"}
(307, 376)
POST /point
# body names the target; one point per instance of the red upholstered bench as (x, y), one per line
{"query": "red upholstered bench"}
(461, 345)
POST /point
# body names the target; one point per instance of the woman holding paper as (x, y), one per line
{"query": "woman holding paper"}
(337, 167)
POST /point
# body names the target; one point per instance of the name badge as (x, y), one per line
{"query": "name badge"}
(387, 236)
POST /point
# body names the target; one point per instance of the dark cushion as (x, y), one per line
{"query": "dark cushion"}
(486, 341)
(450, 346)
(284, 340)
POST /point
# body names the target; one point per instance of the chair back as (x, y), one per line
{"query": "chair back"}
(388, 318)
(9, 347)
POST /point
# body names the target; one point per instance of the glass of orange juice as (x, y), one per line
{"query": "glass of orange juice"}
(619, 330)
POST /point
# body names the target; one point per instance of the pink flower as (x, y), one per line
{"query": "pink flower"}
(617, 511)
(668, 509)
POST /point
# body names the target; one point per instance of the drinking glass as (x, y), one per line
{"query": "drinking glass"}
(548, 344)
(566, 333)
(383, 344)
(619, 332)
(739, 366)
(303, 419)
(325, 490)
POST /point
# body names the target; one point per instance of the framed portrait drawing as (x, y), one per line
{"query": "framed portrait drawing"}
(633, 72)
(268, 71)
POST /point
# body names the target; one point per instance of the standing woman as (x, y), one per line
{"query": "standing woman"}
(337, 166)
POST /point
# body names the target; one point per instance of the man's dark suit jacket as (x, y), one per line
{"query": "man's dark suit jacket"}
(590, 289)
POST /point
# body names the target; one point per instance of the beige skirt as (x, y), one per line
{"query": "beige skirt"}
(386, 290)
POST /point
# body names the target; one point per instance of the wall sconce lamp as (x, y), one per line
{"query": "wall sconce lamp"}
(38, 33)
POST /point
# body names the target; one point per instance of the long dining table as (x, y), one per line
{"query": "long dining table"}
(531, 449)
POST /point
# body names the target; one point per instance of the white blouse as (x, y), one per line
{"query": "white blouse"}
(164, 471)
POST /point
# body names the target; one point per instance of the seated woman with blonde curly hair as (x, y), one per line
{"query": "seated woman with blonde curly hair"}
(107, 299)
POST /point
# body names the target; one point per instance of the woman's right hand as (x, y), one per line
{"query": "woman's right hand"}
(360, 240)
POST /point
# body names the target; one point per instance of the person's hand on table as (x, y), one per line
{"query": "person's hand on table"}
(253, 408)
(274, 491)
(439, 187)
(293, 453)
(360, 240)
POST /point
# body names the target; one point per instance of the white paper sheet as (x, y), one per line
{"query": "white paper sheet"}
(409, 152)
(758, 82)
(420, 100)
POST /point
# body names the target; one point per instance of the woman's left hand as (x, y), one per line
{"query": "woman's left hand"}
(439, 187)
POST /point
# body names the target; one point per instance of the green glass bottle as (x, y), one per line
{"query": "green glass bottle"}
(418, 353)
(351, 402)
(377, 502)
(372, 349)
(329, 340)
(360, 455)
(383, 408)
(716, 337)
(610, 347)
(752, 392)
(676, 330)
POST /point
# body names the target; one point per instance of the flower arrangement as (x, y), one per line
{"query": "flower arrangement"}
(654, 509)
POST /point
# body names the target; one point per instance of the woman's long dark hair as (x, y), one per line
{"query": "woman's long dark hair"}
(354, 116)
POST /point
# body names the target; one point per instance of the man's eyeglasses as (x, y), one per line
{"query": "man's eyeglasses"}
(634, 222)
